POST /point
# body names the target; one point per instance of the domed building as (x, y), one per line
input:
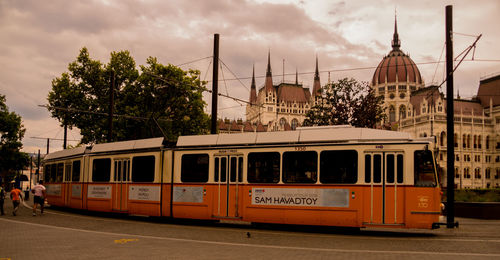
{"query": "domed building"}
(395, 78)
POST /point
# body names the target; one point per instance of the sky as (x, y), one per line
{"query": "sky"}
(38, 39)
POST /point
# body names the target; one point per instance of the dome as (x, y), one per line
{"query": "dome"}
(396, 66)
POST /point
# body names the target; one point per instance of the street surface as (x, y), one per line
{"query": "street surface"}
(61, 234)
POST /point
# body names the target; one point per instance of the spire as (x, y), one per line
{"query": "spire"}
(268, 72)
(396, 43)
(269, 76)
(316, 73)
(316, 85)
(253, 90)
(296, 76)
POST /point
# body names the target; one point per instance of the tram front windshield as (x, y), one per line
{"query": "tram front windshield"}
(425, 173)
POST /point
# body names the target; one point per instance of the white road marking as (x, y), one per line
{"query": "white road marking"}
(258, 245)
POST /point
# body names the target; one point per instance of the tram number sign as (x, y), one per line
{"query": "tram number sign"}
(300, 148)
(301, 197)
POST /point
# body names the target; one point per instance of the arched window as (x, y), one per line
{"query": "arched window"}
(456, 140)
(282, 122)
(468, 141)
(392, 114)
(479, 137)
(457, 174)
(464, 141)
(475, 141)
(402, 112)
(442, 140)
(295, 123)
(487, 142)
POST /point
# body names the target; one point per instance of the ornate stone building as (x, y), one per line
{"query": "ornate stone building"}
(421, 111)
(282, 106)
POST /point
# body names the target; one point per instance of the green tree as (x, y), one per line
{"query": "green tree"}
(346, 102)
(12, 132)
(155, 101)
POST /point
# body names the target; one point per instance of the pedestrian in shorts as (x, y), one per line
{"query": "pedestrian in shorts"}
(15, 195)
(39, 196)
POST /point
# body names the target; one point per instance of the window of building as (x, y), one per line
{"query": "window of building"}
(391, 88)
(425, 175)
(101, 170)
(194, 168)
(487, 173)
(339, 166)
(263, 167)
(295, 123)
(457, 174)
(477, 173)
(487, 142)
(464, 141)
(75, 176)
(455, 138)
(143, 168)
(300, 167)
(392, 114)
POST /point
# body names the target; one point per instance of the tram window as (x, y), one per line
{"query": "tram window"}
(53, 171)
(377, 168)
(263, 167)
(46, 170)
(194, 168)
(400, 168)
(223, 170)
(101, 169)
(76, 171)
(232, 171)
(339, 166)
(216, 169)
(424, 169)
(390, 168)
(60, 172)
(143, 169)
(240, 169)
(67, 173)
(300, 167)
(368, 168)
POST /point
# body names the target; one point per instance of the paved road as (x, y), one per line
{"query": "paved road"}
(70, 235)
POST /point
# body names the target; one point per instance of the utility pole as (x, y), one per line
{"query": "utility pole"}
(65, 136)
(31, 168)
(38, 167)
(48, 144)
(450, 153)
(215, 85)
(111, 106)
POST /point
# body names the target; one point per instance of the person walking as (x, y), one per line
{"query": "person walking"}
(2, 198)
(39, 196)
(15, 195)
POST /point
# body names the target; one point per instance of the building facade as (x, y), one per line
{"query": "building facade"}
(412, 107)
(283, 106)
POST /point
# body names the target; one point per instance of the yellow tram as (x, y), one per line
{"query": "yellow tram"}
(333, 176)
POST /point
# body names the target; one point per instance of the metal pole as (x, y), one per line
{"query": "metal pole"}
(65, 136)
(215, 86)
(38, 167)
(450, 153)
(111, 106)
(31, 169)
(48, 144)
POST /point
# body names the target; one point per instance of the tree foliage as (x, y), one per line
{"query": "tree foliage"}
(12, 132)
(346, 102)
(157, 98)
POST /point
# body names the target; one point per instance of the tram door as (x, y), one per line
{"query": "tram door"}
(384, 174)
(228, 176)
(121, 179)
(67, 184)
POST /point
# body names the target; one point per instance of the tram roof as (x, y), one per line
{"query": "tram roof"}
(301, 135)
(66, 153)
(140, 144)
